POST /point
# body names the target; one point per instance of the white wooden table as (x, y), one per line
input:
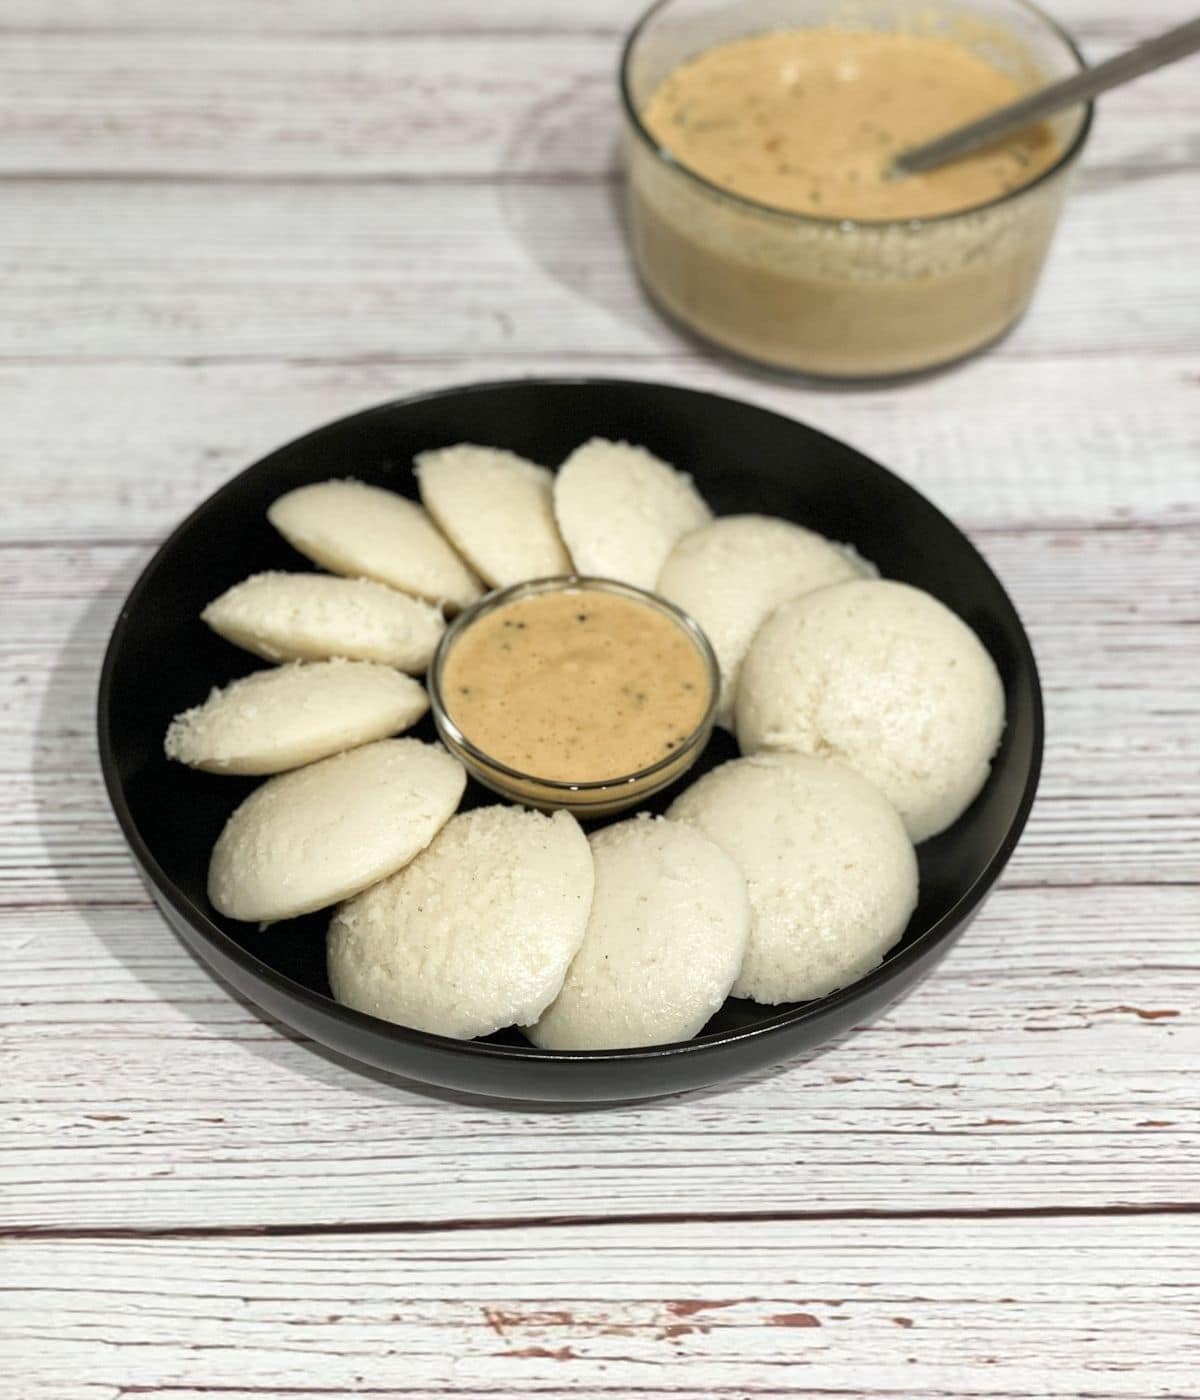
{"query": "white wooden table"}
(222, 223)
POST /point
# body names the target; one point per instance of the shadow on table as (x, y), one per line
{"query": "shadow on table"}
(560, 214)
(67, 720)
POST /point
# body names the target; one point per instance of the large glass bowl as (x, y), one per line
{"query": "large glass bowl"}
(841, 297)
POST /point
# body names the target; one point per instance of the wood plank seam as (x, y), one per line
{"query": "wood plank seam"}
(305, 1229)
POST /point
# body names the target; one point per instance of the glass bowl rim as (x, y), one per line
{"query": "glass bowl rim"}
(850, 225)
(561, 583)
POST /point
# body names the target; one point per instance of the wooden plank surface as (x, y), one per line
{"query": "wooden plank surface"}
(369, 20)
(454, 19)
(223, 224)
(779, 1309)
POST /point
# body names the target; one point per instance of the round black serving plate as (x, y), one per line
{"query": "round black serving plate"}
(162, 659)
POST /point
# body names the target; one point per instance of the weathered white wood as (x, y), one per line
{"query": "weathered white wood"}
(514, 105)
(1074, 442)
(346, 203)
(369, 19)
(337, 108)
(450, 18)
(977, 1308)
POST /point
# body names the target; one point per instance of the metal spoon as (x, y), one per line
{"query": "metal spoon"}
(1154, 53)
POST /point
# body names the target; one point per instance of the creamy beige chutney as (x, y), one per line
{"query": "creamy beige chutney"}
(809, 120)
(576, 686)
(876, 275)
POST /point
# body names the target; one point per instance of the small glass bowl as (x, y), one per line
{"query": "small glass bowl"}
(835, 297)
(591, 799)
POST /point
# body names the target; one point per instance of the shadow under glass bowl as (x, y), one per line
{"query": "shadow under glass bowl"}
(162, 658)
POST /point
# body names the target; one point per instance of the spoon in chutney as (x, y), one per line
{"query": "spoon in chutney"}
(1170, 47)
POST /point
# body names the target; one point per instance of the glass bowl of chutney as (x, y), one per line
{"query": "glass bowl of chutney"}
(584, 694)
(759, 139)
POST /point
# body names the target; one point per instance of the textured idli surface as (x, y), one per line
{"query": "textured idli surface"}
(664, 942)
(313, 617)
(889, 680)
(497, 509)
(307, 839)
(831, 872)
(621, 510)
(365, 532)
(476, 934)
(731, 575)
(274, 720)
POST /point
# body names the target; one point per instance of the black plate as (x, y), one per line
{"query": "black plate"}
(162, 659)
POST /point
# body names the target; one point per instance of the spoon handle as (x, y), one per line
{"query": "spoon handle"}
(1144, 58)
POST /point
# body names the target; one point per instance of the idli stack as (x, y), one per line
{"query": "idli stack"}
(314, 617)
(731, 575)
(366, 532)
(306, 840)
(274, 720)
(886, 678)
(665, 938)
(831, 873)
(621, 510)
(476, 934)
(497, 509)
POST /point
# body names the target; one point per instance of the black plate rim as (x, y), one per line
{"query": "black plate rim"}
(807, 1012)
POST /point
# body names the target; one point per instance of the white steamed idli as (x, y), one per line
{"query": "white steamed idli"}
(831, 872)
(313, 617)
(274, 720)
(732, 575)
(887, 679)
(621, 510)
(664, 942)
(365, 532)
(497, 509)
(476, 934)
(307, 839)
